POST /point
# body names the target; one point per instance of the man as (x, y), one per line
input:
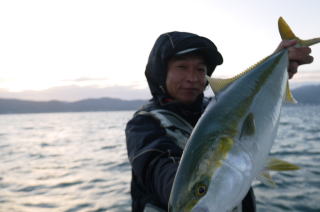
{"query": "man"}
(157, 133)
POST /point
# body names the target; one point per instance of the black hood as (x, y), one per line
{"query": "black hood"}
(168, 45)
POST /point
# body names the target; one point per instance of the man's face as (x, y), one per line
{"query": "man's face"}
(186, 78)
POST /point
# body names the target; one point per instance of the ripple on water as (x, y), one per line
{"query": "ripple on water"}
(28, 128)
(109, 147)
(45, 144)
(4, 146)
(41, 205)
(119, 167)
(99, 210)
(67, 184)
(87, 187)
(97, 180)
(106, 164)
(32, 188)
(79, 207)
(37, 156)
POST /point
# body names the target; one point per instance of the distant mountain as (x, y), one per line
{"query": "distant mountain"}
(8, 106)
(308, 94)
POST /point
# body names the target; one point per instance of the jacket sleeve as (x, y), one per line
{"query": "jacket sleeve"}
(153, 155)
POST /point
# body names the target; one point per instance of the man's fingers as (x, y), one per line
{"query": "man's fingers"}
(293, 68)
(286, 44)
(300, 55)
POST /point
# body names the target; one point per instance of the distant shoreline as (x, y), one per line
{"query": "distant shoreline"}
(305, 95)
(16, 106)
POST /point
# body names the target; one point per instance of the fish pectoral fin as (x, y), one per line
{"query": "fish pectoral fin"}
(289, 97)
(287, 34)
(275, 164)
(224, 145)
(248, 126)
(266, 179)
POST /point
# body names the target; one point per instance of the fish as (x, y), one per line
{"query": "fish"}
(230, 145)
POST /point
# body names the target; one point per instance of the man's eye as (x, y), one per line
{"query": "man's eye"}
(181, 67)
(202, 70)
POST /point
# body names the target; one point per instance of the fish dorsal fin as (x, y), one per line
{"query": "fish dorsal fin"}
(218, 84)
(287, 34)
(248, 126)
(275, 164)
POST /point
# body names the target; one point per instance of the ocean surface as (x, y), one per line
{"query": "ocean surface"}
(77, 162)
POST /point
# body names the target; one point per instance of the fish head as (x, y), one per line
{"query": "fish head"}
(190, 196)
(191, 187)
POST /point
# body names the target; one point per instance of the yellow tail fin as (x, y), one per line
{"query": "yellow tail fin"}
(287, 34)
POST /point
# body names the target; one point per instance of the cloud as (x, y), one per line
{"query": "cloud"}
(128, 92)
(86, 79)
(74, 93)
(305, 77)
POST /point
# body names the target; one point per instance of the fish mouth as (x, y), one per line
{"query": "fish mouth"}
(196, 209)
(188, 207)
(200, 209)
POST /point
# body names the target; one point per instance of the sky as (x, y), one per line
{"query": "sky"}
(76, 49)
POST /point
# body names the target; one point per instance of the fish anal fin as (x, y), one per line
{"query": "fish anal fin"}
(289, 98)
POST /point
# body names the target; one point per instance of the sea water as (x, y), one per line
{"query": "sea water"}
(78, 162)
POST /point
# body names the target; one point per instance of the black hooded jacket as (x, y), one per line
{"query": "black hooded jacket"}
(153, 155)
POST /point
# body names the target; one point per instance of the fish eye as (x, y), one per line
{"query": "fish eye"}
(201, 190)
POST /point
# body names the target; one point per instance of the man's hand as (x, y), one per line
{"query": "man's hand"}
(297, 55)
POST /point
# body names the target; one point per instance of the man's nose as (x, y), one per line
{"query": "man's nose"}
(192, 75)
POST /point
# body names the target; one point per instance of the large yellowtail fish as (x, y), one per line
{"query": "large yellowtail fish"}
(230, 144)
